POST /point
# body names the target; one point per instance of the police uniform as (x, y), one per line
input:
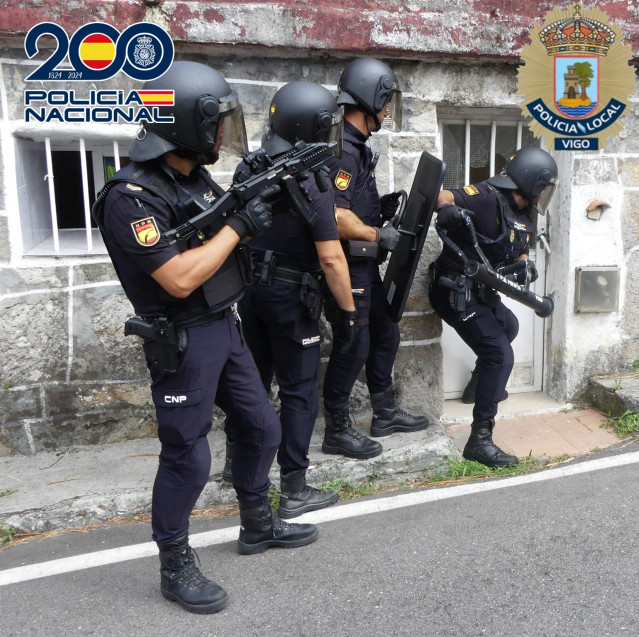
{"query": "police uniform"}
(140, 205)
(280, 315)
(378, 338)
(486, 325)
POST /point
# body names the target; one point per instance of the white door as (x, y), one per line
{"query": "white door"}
(528, 347)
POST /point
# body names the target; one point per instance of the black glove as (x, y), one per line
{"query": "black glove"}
(254, 217)
(388, 237)
(389, 204)
(301, 178)
(345, 331)
(451, 216)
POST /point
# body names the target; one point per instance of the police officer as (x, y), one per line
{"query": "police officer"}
(183, 295)
(280, 311)
(369, 92)
(500, 210)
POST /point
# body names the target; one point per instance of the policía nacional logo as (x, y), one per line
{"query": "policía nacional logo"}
(576, 79)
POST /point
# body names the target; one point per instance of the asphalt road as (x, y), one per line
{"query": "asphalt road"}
(522, 556)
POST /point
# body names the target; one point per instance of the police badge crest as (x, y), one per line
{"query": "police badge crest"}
(144, 51)
(576, 79)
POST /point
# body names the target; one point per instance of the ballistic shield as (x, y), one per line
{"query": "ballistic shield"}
(413, 227)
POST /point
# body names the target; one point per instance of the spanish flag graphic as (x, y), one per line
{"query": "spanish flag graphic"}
(156, 98)
(146, 231)
(97, 51)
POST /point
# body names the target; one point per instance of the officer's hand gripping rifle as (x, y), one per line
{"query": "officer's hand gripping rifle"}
(265, 173)
(484, 273)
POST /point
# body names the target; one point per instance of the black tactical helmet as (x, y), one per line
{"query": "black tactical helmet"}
(302, 111)
(532, 172)
(207, 116)
(371, 85)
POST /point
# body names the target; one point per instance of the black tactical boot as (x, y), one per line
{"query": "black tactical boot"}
(260, 529)
(297, 497)
(388, 417)
(341, 438)
(481, 448)
(468, 396)
(182, 581)
(227, 472)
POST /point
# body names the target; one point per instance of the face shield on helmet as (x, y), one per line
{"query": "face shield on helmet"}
(542, 201)
(335, 130)
(225, 119)
(393, 118)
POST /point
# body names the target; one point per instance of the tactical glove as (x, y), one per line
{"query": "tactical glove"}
(389, 204)
(254, 217)
(388, 237)
(345, 331)
(451, 216)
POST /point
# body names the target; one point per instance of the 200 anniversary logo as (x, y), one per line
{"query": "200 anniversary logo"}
(97, 52)
(576, 79)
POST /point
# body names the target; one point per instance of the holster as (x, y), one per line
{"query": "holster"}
(459, 295)
(163, 342)
(312, 291)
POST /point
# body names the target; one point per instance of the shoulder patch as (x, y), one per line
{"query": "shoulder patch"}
(342, 179)
(133, 187)
(146, 231)
(471, 190)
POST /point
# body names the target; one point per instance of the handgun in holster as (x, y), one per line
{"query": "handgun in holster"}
(163, 342)
(459, 294)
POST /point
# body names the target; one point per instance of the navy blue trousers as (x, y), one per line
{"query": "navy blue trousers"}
(489, 332)
(286, 345)
(375, 349)
(216, 367)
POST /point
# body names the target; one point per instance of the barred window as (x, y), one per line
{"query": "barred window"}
(58, 178)
(477, 143)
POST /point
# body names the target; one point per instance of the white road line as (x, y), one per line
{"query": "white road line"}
(363, 507)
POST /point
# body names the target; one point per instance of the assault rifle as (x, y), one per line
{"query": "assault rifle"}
(264, 173)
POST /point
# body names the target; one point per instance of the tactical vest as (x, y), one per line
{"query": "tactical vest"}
(226, 285)
(365, 203)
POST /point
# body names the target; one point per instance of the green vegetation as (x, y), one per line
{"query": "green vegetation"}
(625, 425)
(7, 492)
(7, 533)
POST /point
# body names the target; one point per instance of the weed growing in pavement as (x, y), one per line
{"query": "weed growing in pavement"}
(7, 492)
(624, 425)
(7, 533)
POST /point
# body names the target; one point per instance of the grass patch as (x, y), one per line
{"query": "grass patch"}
(7, 533)
(7, 492)
(625, 425)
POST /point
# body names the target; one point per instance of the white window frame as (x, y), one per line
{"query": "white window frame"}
(101, 141)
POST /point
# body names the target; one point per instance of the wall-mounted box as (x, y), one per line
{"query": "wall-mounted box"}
(597, 288)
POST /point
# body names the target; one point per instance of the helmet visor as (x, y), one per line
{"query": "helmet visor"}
(336, 133)
(393, 118)
(543, 200)
(232, 132)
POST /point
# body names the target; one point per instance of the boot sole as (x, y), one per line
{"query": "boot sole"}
(338, 451)
(207, 609)
(380, 433)
(287, 514)
(260, 547)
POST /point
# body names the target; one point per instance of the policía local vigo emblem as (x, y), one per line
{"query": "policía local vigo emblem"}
(576, 79)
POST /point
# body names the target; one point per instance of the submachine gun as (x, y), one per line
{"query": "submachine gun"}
(265, 172)
(501, 281)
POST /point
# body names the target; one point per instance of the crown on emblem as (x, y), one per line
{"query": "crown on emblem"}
(144, 40)
(577, 34)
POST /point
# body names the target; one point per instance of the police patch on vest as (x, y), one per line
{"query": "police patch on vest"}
(146, 231)
(343, 179)
(471, 190)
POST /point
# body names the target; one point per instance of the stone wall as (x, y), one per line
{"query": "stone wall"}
(68, 374)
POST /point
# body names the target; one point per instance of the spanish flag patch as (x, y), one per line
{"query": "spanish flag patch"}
(471, 190)
(343, 179)
(146, 231)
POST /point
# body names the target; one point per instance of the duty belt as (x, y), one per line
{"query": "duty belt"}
(265, 273)
(194, 321)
